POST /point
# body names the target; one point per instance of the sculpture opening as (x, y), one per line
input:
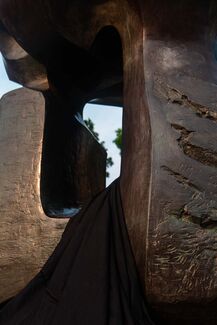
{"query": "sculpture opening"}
(73, 168)
(105, 122)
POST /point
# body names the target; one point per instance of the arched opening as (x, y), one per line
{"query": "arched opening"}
(107, 114)
(107, 49)
(73, 162)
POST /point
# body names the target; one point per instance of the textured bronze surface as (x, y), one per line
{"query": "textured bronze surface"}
(159, 59)
(27, 235)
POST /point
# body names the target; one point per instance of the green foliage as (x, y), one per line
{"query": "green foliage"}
(118, 139)
(91, 127)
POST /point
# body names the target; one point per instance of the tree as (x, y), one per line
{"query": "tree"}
(91, 127)
(118, 139)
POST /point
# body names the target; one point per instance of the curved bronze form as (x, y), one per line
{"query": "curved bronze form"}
(158, 58)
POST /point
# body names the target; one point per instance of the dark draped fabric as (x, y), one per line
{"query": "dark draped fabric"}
(91, 277)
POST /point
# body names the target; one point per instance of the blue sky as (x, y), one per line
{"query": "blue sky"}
(107, 119)
(5, 84)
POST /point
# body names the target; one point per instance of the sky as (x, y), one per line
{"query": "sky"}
(106, 119)
(5, 84)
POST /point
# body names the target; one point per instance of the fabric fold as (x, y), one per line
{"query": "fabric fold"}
(91, 277)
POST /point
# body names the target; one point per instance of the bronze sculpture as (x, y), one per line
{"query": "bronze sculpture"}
(159, 59)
